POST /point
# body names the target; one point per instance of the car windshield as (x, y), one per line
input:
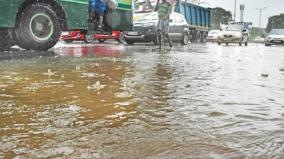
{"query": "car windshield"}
(234, 28)
(277, 32)
(142, 17)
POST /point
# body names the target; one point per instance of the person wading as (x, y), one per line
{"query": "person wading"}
(164, 10)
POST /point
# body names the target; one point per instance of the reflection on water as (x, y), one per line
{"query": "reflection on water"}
(124, 102)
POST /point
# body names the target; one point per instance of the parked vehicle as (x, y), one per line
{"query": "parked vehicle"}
(213, 35)
(275, 37)
(198, 18)
(259, 39)
(37, 25)
(145, 29)
(233, 34)
(81, 36)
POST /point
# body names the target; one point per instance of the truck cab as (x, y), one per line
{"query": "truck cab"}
(37, 24)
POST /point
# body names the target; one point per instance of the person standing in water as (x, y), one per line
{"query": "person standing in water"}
(164, 11)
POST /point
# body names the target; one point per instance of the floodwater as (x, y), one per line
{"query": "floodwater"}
(128, 102)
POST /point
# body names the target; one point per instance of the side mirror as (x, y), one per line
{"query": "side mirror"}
(171, 20)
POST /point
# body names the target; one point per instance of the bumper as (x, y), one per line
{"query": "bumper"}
(141, 38)
(275, 42)
(229, 40)
(211, 39)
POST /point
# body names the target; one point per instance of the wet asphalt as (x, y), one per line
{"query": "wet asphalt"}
(137, 101)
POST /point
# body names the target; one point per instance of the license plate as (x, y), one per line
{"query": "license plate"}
(132, 33)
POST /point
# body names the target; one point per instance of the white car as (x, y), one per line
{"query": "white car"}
(233, 34)
(259, 39)
(213, 35)
(275, 37)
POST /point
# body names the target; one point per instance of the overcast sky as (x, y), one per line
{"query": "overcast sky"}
(273, 7)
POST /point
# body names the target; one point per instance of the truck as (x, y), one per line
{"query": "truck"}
(198, 18)
(37, 24)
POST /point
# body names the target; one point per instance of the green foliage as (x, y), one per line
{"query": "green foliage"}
(145, 5)
(220, 16)
(275, 22)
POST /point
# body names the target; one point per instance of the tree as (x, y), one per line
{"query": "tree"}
(275, 22)
(220, 16)
(144, 5)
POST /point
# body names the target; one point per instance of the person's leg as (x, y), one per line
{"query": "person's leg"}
(101, 21)
(167, 28)
(159, 33)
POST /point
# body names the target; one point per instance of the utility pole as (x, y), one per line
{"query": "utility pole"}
(235, 10)
(260, 11)
(242, 8)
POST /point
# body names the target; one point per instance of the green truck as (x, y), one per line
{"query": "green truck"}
(37, 24)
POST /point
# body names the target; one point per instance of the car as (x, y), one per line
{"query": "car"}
(259, 39)
(213, 35)
(233, 34)
(78, 35)
(275, 37)
(145, 29)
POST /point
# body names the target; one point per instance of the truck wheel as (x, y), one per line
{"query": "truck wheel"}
(6, 39)
(38, 27)
(121, 38)
(185, 39)
(198, 37)
(204, 37)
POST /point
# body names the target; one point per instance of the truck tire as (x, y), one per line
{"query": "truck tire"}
(203, 37)
(6, 39)
(198, 37)
(38, 27)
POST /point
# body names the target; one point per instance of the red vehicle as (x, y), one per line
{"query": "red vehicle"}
(81, 36)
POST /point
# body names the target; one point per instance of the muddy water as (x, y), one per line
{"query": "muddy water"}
(199, 101)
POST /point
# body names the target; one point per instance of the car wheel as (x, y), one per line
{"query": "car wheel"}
(89, 38)
(129, 42)
(246, 44)
(6, 39)
(38, 27)
(185, 39)
(121, 38)
(219, 43)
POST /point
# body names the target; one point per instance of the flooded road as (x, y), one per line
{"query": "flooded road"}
(116, 101)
